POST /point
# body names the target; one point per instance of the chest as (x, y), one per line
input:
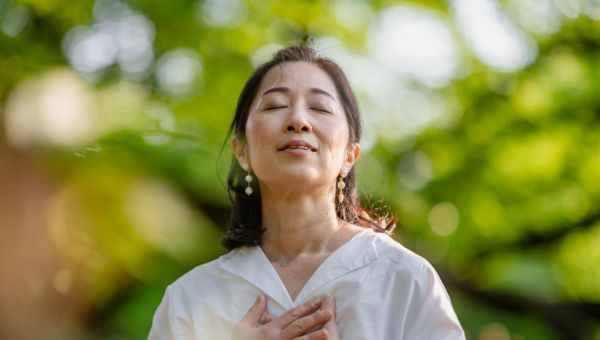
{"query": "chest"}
(296, 274)
(364, 301)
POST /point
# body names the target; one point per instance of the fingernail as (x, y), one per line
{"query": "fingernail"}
(316, 300)
(328, 298)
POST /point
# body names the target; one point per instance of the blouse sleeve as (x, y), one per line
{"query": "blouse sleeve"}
(436, 318)
(171, 320)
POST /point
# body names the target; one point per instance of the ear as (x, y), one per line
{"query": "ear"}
(239, 151)
(352, 154)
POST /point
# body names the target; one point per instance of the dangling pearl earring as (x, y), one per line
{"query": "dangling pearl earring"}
(341, 185)
(248, 179)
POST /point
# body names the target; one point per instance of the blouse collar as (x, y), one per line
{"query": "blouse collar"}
(251, 264)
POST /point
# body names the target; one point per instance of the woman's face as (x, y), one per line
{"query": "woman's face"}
(297, 132)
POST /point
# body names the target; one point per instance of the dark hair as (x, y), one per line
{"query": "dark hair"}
(245, 226)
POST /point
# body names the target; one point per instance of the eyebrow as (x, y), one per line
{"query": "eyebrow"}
(287, 89)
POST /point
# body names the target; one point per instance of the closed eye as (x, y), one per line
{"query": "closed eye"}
(320, 109)
(274, 108)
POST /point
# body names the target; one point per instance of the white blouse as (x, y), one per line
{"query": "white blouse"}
(381, 289)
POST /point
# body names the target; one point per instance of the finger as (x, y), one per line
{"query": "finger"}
(265, 319)
(307, 323)
(296, 313)
(321, 334)
(255, 312)
(328, 303)
(330, 326)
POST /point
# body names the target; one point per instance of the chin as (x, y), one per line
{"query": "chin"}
(298, 177)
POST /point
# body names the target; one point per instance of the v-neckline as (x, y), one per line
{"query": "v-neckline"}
(255, 267)
(315, 272)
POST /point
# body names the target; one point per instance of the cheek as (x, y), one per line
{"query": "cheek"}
(259, 134)
(255, 128)
(337, 139)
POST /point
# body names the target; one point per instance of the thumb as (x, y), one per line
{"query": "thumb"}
(255, 312)
(331, 327)
(328, 303)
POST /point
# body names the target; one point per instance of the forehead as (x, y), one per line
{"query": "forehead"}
(298, 76)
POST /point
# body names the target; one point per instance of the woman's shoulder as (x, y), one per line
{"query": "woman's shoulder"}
(396, 258)
(204, 274)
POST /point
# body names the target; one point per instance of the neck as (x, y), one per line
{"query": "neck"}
(298, 224)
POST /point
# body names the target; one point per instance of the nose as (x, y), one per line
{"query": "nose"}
(297, 121)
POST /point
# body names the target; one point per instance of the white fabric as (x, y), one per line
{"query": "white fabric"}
(381, 289)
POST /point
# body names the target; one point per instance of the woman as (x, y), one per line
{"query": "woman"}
(306, 260)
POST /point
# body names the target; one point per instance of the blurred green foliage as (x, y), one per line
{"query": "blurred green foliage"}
(120, 142)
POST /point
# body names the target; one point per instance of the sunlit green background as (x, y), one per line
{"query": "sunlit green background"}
(482, 132)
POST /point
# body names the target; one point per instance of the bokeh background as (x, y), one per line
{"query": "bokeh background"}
(482, 132)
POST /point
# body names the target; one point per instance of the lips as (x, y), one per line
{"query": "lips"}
(298, 145)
